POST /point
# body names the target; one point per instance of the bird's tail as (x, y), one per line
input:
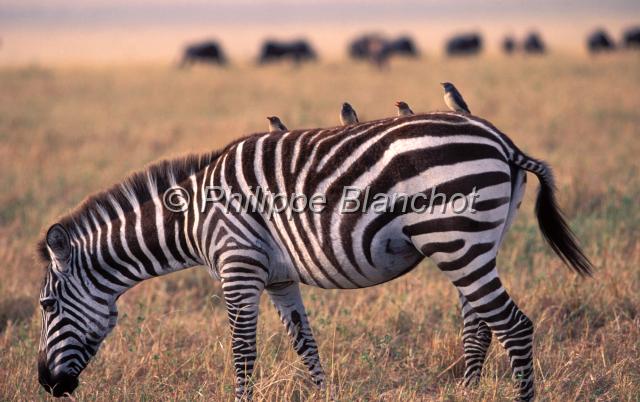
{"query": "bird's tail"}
(551, 220)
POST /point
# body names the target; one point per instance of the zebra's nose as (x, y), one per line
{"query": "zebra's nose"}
(57, 385)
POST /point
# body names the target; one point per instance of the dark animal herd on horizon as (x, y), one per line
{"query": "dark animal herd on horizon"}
(379, 50)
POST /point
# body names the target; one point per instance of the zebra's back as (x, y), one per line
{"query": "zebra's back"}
(383, 183)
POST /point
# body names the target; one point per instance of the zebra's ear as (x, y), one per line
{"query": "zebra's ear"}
(58, 242)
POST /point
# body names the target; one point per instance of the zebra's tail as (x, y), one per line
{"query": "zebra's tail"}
(551, 220)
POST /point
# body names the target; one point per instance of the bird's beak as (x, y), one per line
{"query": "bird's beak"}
(397, 104)
(442, 83)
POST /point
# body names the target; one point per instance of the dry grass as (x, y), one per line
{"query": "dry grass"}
(67, 132)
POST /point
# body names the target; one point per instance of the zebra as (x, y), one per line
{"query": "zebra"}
(161, 220)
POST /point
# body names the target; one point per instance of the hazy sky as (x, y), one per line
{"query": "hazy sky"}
(139, 30)
(124, 12)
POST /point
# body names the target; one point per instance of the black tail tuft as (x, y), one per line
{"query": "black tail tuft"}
(555, 229)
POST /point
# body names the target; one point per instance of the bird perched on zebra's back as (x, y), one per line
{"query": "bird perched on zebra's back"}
(275, 124)
(404, 109)
(453, 98)
(348, 115)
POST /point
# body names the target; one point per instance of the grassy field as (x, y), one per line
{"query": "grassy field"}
(68, 132)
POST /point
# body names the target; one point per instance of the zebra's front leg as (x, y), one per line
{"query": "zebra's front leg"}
(476, 339)
(242, 285)
(288, 301)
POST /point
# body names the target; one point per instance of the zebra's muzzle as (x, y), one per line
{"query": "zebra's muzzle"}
(57, 385)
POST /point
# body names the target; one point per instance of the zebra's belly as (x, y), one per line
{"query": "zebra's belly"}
(390, 256)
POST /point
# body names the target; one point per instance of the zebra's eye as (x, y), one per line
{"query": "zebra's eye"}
(48, 305)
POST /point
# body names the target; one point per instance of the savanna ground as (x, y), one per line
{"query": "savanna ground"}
(67, 132)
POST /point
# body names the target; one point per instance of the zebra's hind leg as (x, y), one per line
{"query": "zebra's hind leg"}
(488, 298)
(288, 301)
(474, 274)
(476, 339)
(243, 280)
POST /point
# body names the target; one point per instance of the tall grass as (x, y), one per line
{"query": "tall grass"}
(67, 132)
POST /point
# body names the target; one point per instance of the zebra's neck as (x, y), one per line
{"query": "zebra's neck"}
(132, 241)
(127, 234)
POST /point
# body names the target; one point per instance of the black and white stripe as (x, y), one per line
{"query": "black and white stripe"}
(125, 235)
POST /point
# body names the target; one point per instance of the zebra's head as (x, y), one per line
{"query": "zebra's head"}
(76, 314)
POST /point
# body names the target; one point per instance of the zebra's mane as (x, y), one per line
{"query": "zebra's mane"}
(163, 174)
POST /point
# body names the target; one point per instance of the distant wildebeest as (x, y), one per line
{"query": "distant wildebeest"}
(379, 50)
(599, 41)
(404, 46)
(364, 46)
(204, 52)
(297, 51)
(464, 44)
(508, 45)
(632, 37)
(533, 44)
